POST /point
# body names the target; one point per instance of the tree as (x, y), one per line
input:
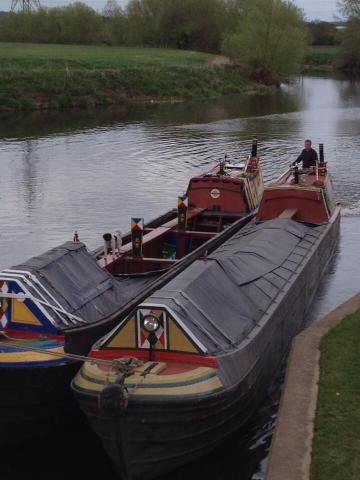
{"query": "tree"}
(187, 24)
(271, 39)
(80, 24)
(349, 54)
(115, 23)
(323, 33)
(144, 20)
(75, 23)
(349, 8)
(111, 9)
(193, 24)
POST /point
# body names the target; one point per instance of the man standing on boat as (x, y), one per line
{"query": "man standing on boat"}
(308, 156)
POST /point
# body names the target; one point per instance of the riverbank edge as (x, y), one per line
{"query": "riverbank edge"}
(291, 447)
(59, 90)
(308, 69)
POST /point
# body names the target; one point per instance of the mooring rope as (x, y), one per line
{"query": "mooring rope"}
(126, 364)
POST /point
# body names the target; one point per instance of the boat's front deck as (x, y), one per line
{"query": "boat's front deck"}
(151, 380)
(306, 178)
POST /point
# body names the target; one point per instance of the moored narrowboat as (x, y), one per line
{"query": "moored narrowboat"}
(56, 305)
(193, 361)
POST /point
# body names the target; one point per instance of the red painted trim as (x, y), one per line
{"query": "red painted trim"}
(308, 203)
(152, 235)
(160, 356)
(19, 334)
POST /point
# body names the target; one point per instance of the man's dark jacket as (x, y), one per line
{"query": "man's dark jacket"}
(308, 158)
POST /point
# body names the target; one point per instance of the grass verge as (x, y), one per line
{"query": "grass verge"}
(62, 76)
(320, 58)
(336, 445)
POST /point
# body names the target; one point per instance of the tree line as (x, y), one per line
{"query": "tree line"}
(181, 24)
(186, 24)
(269, 36)
(349, 55)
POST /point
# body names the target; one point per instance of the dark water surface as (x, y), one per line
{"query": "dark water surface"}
(93, 171)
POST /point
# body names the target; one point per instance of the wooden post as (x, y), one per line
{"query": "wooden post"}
(252, 162)
(222, 170)
(254, 148)
(296, 175)
(322, 165)
(137, 230)
(182, 224)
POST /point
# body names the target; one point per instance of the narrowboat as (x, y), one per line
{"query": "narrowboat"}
(54, 306)
(194, 360)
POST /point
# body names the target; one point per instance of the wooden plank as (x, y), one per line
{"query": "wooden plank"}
(198, 233)
(162, 261)
(288, 213)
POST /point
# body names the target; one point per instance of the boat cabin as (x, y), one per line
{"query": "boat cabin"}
(213, 201)
(69, 288)
(303, 195)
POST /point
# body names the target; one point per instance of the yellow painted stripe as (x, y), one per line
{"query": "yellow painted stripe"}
(9, 357)
(92, 370)
(202, 387)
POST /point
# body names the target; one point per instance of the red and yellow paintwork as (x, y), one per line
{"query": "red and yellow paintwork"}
(18, 350)
(178, 356)
(163, 380)
(227, 189)
(308, 201)
(239, 191)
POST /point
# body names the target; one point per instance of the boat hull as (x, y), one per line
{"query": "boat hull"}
(158, 435)
(37, 400)
(35, 394)
(152, 438)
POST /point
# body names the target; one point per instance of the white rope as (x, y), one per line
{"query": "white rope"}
(126, 364)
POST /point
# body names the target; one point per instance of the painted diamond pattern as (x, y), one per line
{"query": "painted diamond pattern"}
(143, 335)
(4, 304)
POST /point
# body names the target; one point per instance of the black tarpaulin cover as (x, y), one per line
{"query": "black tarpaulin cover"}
(70, 274)
(221, 298)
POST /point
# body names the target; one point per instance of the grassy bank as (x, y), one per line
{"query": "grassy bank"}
(336, 443)
(320, 58)
(62, 76)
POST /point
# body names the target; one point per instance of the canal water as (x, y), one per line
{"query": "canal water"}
(91, 172)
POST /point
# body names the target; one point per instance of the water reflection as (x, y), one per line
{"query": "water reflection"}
(42, 124)
(91, 171)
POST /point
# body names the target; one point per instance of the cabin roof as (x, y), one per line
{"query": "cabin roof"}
(222, 298)
(69, 276)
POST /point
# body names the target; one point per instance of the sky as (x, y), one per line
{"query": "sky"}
(314, 9)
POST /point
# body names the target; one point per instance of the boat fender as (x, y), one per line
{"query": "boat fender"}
(114, 398)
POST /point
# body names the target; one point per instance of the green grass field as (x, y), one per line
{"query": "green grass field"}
(35, 76)
(336, 446)
(99, 56)
(321, 56)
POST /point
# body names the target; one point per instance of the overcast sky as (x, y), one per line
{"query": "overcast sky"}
(314, 9)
